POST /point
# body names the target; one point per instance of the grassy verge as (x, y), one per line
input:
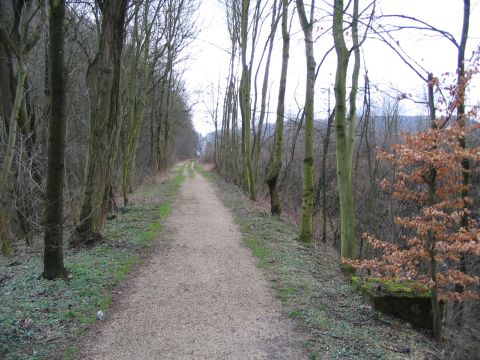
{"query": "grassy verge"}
(191, 169)
(40, 319)
(338, 321)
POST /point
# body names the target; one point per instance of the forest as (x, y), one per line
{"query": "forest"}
(98, 141)
(125, 114)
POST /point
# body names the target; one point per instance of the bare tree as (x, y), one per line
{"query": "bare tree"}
(103, 81)
(275, 164)
(345, 135)
(20, 30)
(306, 224)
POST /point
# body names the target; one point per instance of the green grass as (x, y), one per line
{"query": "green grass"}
(295, 313)
(191, 169)
(257, 249)
(164, 210)
(200, 170)
(286, 293)
(59, 309)
(337, 319)
(69, 352)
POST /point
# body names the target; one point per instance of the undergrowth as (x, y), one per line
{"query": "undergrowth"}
(39, 318)
(338, 321)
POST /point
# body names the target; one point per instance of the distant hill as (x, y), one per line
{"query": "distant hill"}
(411, 123)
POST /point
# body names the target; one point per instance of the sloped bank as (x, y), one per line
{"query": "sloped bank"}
(308, 280)
(40, 318)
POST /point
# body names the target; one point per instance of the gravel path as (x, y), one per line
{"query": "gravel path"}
(202, 298)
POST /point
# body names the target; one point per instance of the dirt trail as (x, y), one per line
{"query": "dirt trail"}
(203, 298)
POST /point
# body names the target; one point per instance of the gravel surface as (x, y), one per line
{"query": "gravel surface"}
(201, 298)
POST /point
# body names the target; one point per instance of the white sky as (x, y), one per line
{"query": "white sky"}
(209, 61)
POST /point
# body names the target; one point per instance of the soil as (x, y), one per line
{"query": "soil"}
(200, 297)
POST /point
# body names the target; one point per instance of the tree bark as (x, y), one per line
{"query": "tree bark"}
(275, 164)
(103, 81)
(343, 136)
(257, 135)
(306, 222)
(245, 85)
(322, 185)
(136, 97)
(53, 266)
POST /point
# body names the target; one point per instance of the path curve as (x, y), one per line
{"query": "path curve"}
(203, 298)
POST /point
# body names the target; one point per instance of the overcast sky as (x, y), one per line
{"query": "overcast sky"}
(209, 59)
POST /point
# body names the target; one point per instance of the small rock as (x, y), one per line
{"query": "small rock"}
(100, 315)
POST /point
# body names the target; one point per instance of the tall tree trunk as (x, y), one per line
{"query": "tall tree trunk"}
(322, 185)
(343, 137)
(103, 81)
(275, 164)
(159, 126)
(227, 150)
(257, 136)
(306, 224)
(372, 193)
(137, 98)
(235, 143)
(248, 119)
(216, 146)
(245, 108)
(352, 113)
(167, 123)
(53, 242)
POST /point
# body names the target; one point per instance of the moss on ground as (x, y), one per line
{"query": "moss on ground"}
(338, 321)
(408, 300)
(40, 319)
(393, 286)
